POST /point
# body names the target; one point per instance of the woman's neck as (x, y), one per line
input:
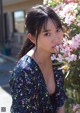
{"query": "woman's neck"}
(41, 57)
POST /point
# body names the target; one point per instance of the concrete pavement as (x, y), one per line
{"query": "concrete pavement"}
(5, 101)
(6, 65)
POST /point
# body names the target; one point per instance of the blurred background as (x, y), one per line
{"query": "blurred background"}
(12, 37)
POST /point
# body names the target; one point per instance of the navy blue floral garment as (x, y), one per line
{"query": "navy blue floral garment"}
(29, 91)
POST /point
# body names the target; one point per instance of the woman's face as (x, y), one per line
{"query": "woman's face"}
(50, 37)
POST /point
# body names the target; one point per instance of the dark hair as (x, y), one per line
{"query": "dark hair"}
(35, 19)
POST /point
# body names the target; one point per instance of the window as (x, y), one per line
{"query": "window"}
(19, 19)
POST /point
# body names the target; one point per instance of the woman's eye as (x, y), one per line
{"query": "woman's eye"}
(59, 29)
(47, 34)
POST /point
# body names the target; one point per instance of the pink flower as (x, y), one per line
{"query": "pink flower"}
(75, 107)
(65, 48)
(78, 24)
(53, 57)
(59, 58)
(73, 44)
(69, 47)
(77, 38)
(77, 112)
(69, 18)
(71, 57)
(62, 14)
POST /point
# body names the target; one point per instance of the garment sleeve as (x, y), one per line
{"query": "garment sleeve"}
(60, 93)
(24, 95)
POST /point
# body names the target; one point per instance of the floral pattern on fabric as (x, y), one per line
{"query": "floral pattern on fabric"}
(29, 91)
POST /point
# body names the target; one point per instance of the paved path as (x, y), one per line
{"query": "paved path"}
(6, 65)
(5, 101)
(5, 68)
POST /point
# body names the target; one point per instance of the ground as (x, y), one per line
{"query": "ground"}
(6, 66)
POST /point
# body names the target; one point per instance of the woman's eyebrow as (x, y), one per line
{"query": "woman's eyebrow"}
(47, 30)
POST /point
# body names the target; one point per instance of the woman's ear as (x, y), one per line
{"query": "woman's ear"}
(31, 38)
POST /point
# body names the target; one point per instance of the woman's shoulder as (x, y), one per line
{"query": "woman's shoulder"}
(23, 71)
(24, 66)
(25, 63)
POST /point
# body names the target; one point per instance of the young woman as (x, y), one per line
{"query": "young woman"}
(36, 83)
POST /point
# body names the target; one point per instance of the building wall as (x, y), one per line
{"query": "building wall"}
(22, 5)
(25, 5)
